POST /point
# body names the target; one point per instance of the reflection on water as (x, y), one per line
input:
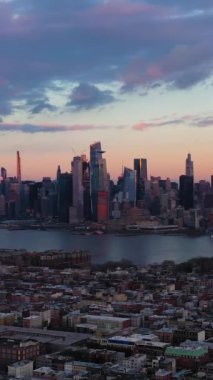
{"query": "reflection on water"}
(139, 249)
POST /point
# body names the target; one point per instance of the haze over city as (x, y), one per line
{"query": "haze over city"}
(136, 75)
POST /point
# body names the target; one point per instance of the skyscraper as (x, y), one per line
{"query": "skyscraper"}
(98, 176)
(140, 167)
(189, 166)
(86, 188)
(103, 193)
(186, 192)
(64, 196)
(3, 173)
(58, 173)
(18, 162)
(77, 179)
(129, 186)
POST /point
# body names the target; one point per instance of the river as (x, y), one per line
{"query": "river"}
(143, 249)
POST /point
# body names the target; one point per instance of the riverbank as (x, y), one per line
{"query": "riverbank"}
(87, 230)
(140, 249)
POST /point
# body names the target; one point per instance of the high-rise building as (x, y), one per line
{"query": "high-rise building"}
(86, 188)
(58, 173)
(3, 173)
(186, 192)
(77, 183)
(98, 175)
(64, 196)
(129, 186)
(18, 162)
(212, 183)
(140, 167)
(189, 166)
(2, 205)
(103, 177)
(102, 206)
(34, 198)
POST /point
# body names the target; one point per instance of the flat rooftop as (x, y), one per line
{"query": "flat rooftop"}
(45, 336)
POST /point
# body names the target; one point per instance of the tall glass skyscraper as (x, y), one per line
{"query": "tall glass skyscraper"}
(129, 186)
(186, 192)
(77, 183)
(64, 196)
(140, 167)
(189, 166)
(98, 175)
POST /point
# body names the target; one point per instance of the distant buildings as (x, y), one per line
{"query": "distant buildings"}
(87, 194)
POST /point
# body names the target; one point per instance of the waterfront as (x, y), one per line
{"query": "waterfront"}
(143, 249)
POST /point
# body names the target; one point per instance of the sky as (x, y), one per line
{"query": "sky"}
(136, 75)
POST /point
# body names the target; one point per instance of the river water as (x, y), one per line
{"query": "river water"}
(143, 249)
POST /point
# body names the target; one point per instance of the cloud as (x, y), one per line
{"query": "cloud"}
(142, 126)
(39, 128)
(200, 121)
(139, 43)
(86, 96)
(38, 105)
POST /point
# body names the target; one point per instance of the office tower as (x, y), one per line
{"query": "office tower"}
(103, 176)
(48, 198)
(103, 192)
(189, 166)
(3, 173)
(103, 212)
(77, 183)
(2, 205)
(64, 196)
(129, 186)
(35, 198)
(24, 198)
(186, 192)
(212, 183)
(140, 167)
(18, 159)
(58, 173)
(98, 175)
(14, 198)
(86, 188)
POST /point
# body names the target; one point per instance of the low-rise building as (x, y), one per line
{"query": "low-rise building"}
(22, 369)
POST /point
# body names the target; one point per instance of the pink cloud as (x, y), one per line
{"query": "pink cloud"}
(142, 126)
(51, 128)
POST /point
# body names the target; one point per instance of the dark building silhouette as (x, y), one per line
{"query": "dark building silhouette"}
(208, 201)
(140, 166)
(3, 173)
(64, 196)
(95, 158)
(86, 190)
(186, 192)
(34, 198)
(58, 173)
(18, 163)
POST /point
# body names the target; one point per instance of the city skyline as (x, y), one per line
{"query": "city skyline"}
(85, 156)
(136, 75)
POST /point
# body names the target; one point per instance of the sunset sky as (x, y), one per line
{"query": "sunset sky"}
(136, 75)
